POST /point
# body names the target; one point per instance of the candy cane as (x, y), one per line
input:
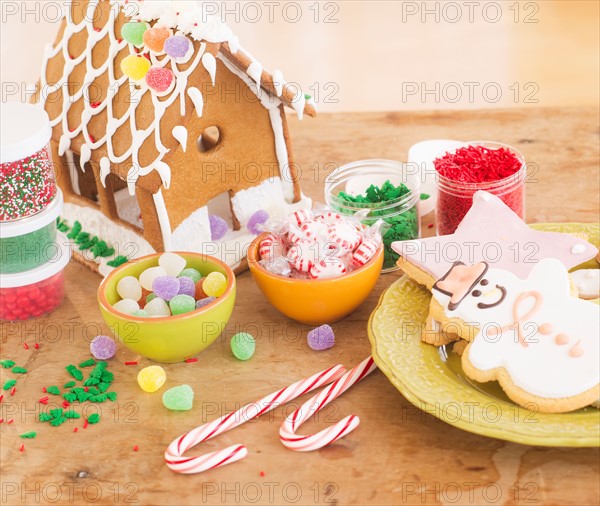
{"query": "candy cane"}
(174, 456)
(287, 432)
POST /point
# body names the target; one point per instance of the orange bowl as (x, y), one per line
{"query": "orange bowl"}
(315, 301)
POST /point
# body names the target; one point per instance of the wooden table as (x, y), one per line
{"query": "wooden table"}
(398, 455)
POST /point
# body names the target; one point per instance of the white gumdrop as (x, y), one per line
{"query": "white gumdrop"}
(129, 288)
(172, 263)
(149, 275)
(127, 306)
(157, 307)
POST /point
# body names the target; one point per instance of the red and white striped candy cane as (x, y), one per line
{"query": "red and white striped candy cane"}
(297, 442)
(174, 456)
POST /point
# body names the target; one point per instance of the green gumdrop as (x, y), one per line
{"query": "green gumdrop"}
(150, 297)
(191, 273)
(179, 398)
(182, 304)
(134, 33)
(243, 346)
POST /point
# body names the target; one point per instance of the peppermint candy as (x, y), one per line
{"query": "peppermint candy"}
(331, 268)
(270, 248)
(294, 235)
(365, 252)
(344, 235)
(330, 218)
(302, 256)
(299, 217)
(313, 231)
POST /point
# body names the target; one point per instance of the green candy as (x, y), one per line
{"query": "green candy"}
(179, 398)
(181, 304)
(243, 346)
(134, 33)
(190, 273)
(141, 313)
(150, 297)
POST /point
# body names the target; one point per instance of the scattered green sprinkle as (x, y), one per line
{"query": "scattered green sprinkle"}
(117, 261)
(95, 418)
(45, 417)
(112, 396)
(7, 364)
(73, 371)
(75, 230)
(58, 421)
(56, 413)
(425, 196)
(107, 377)
(72, 414)
(88, 363)
(53, 390)
(19, 370)
(70, 384)
(82, 396)
(28, 435)
(70, 397)
(103, 387)
(9, 384)
(91, 381)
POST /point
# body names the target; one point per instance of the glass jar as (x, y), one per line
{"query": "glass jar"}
(455, 198)
(400, 215)
(29, 242)
(27, 183)
(31, 294)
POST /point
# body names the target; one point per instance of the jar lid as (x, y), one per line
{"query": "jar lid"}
(57, 263)
(25, 130)
(35, 222)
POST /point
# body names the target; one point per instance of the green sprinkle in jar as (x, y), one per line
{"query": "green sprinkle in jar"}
(28, 243)
(387, 190)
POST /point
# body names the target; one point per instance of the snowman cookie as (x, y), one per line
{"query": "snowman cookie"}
(528, 333)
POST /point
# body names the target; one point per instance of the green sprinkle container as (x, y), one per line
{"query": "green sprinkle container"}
(27, 243)
(374, 180)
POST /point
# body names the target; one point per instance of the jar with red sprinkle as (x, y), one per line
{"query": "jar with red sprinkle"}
(31, 294)
(27, 183)
(490, 166)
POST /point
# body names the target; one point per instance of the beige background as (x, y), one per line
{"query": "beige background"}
(386, 55)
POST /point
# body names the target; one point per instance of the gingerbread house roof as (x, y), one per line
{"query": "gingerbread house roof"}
(98, 112)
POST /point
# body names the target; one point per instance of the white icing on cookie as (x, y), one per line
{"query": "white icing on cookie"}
(578, 249)
(546, 340)
(587, 282)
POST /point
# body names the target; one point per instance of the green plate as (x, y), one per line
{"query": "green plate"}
(433, 380)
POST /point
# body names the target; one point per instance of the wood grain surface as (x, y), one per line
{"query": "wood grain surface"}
(398, 455)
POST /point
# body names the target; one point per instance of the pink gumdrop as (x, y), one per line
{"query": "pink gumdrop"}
(160, 79)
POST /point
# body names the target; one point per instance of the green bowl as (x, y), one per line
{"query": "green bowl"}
(172, 338)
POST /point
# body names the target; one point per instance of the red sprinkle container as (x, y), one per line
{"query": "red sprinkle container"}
(27, 183)
(455, 197)
(31, 294)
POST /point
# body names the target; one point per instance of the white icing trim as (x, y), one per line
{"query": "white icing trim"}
(104, 170)
(181, 135)
(210, 64)
(255, 72)
(197, 99)
(278, 82)
(163, 219)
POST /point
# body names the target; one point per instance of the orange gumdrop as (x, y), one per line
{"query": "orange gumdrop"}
(154, 38)
(199, 291)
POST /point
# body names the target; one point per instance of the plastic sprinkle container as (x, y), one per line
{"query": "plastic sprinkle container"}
(29, 242)
(29, 295)
(490, 166)
(400, 214)
(27, 184)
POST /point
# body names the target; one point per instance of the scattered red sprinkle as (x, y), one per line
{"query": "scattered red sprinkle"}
(177, 13)
(131, 362)
(1, 420)
(44, 400)
(262, 473)
(92, 140)
(22, 449)
(191, 360)
(44, 389)
(71, 57)
(195, 24)
(472, 166)
(36, 346)
(85, 424)
(13, 390)
(95, 105)
(66, 404)
(135, 448)
(26, 346)
(119, 40)
(75, 429)
(1, 397)
(430, 225)
(86, 389)
(10, 420)
(71, 130)
(96, 29)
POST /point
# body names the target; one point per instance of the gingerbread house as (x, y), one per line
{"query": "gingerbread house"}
(143, 164)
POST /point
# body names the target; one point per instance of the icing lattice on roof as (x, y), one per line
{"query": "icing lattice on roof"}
(150, 141)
